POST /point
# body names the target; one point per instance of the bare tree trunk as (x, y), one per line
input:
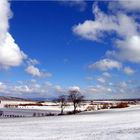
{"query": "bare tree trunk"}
(61, 110)
(74, 111)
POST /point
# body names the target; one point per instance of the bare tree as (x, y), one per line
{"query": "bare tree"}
(76, 98)
(62, 100)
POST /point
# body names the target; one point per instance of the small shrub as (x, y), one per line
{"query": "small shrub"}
(90, 108)
(120, 105)
(73, 112)
(50, 114)
(69, 112)
(34, 114)
(105, 106)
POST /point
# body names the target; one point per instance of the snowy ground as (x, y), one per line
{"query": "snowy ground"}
(113, 124)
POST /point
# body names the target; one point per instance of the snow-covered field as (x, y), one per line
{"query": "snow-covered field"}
(113, 124)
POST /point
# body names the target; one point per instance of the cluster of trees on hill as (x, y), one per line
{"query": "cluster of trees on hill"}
(74, 96)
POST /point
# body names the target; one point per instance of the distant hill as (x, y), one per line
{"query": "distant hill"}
(9, 98)
(130, 99)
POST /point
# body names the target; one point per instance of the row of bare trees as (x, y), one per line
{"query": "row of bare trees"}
(74, 96)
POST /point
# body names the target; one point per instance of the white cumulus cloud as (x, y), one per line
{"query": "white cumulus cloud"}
(128, 49)
(95, 29)
(106, 74)
(34, 71)
(10, 53)
(130, 5)
(101, 80)
(128, 71)
(125, 28)
(105, 64)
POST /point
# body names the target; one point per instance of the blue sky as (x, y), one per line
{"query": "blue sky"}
(51, 41)
(91, 46)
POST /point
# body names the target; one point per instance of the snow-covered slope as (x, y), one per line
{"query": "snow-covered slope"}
(116, 124)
